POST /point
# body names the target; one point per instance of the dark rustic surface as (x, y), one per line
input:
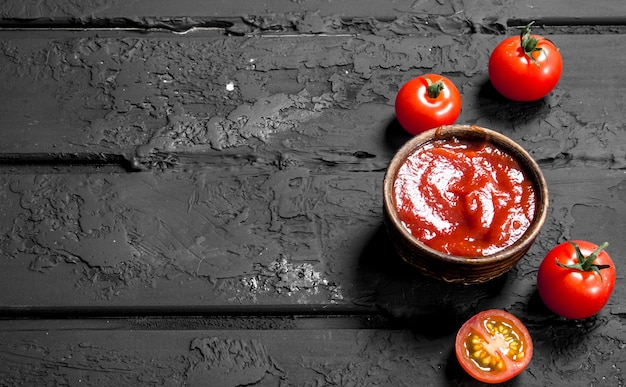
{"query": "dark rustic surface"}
(191, 193)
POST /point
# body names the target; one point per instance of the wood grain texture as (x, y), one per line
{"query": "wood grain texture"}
(141, 99)
(484, 11)
(66, 354)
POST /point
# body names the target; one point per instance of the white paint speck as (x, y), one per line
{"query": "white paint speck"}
(230, 86)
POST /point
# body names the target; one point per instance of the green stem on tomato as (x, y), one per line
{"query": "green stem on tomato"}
(586, 263)
(434, 89)
(529, 43)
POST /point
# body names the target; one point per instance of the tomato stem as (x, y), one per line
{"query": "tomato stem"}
(434, 89)
(529, 43)
(586, 263)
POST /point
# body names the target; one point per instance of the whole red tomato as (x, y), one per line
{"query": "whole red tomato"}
(493, 346)
(427, 102)
(575, 279)
(525, 68)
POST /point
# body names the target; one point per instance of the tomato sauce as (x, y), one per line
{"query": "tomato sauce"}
(464, 198)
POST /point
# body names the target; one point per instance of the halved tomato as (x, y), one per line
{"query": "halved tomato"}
(493, 346)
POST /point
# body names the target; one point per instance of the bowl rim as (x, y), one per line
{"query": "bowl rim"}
(528, 164)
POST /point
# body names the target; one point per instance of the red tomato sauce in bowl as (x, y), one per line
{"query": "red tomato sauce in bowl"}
(464, 197)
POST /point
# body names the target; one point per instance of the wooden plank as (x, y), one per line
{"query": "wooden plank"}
(62, 353)
(485, 12)
(131, 97)
(262, 236)
(209, 235)
(230, 358)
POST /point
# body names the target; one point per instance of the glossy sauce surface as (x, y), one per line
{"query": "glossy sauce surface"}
(464, 198)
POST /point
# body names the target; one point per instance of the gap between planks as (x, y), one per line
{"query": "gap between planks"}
(246, 317)
(229, 25)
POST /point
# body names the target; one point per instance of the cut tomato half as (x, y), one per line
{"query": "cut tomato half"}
(493, 346)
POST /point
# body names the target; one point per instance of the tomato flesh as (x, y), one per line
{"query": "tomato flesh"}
(493, 346)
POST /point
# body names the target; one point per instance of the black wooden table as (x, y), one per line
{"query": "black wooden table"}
(191, 191)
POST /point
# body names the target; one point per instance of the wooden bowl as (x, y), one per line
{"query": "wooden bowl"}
(461, 269)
